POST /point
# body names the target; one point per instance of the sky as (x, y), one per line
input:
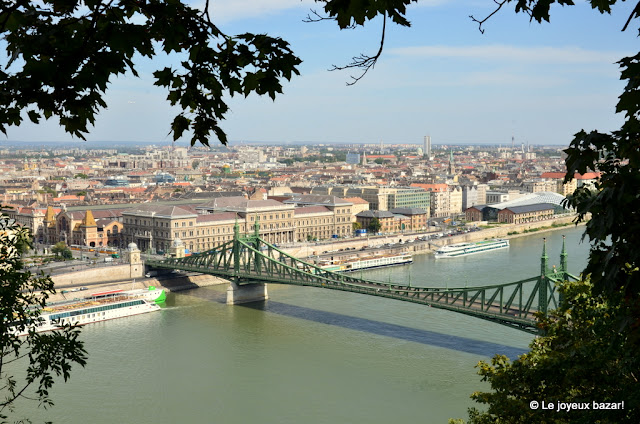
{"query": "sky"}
(538, 83)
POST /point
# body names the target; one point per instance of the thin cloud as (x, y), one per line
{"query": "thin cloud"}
(230, 10)
(556, 55)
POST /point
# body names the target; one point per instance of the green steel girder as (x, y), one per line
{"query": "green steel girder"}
(243, 260)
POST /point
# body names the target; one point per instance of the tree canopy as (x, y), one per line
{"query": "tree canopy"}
(374, 225)
(63, 54)
(42, 356)
(584, 358)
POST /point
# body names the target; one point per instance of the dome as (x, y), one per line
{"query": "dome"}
(132, 246)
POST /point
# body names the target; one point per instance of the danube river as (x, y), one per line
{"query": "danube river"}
(305, 356)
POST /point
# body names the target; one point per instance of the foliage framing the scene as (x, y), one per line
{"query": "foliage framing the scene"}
(63, 54)
(584, 358)
(39, 357)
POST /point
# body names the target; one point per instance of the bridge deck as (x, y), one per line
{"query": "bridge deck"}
(250, 260)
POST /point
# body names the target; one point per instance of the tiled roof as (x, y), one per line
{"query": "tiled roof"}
(317, 199)
(375, 214)
(311, 209)
(221, 216)
(161, 210)
(408, 211)
(356, 200)
(529, 208)
(432, 187)
(240, 203)
(477, 207)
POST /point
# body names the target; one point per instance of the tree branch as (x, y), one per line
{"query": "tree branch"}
(481, 22)
(363, 61)
(318, 17)
(634, 14)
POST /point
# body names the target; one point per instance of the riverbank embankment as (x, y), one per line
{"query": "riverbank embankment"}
(107, 279)
(169, 282)
(395, 244)
(509, 231)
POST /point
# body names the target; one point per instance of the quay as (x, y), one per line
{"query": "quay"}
(389, 244)
(131, 275)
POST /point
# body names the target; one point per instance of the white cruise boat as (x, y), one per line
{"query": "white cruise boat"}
(354, 264)
(465, 249)
(95, 308)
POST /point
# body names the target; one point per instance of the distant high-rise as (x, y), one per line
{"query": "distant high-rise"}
(427, 146)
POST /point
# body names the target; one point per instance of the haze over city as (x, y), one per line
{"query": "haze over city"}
(441, 77)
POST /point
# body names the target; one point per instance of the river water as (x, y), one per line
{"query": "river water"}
(305, 356)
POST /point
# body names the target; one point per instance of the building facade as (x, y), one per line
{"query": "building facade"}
(528, 213)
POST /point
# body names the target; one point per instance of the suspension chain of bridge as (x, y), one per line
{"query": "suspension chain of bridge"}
(249, 260)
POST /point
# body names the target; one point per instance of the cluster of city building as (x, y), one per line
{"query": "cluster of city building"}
(154, 196)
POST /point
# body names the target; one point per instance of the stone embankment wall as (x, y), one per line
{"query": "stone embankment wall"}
(96, 275)
(499, 231)
(181, 282)
(503, 230)
(186, 282)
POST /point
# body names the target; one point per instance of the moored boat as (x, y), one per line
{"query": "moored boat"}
(96, 307)
(465, 249)
(355, 263)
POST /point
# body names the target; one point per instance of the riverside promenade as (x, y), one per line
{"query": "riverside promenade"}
(508, 231)
(103, 278)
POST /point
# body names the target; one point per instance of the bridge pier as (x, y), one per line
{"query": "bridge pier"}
(246, 293)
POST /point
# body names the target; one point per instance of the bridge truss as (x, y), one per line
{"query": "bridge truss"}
(249, 260)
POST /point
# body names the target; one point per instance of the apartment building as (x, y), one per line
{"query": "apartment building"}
(381, 198)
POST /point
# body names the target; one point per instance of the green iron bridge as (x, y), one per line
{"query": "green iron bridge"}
(249, 262)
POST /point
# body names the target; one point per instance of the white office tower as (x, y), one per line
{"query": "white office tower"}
(427, 146)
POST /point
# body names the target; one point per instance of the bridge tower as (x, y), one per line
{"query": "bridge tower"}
(245, 293)
(563, 260)
(563, 268)
(543, 301)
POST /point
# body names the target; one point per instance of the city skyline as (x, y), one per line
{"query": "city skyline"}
(441, 77)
